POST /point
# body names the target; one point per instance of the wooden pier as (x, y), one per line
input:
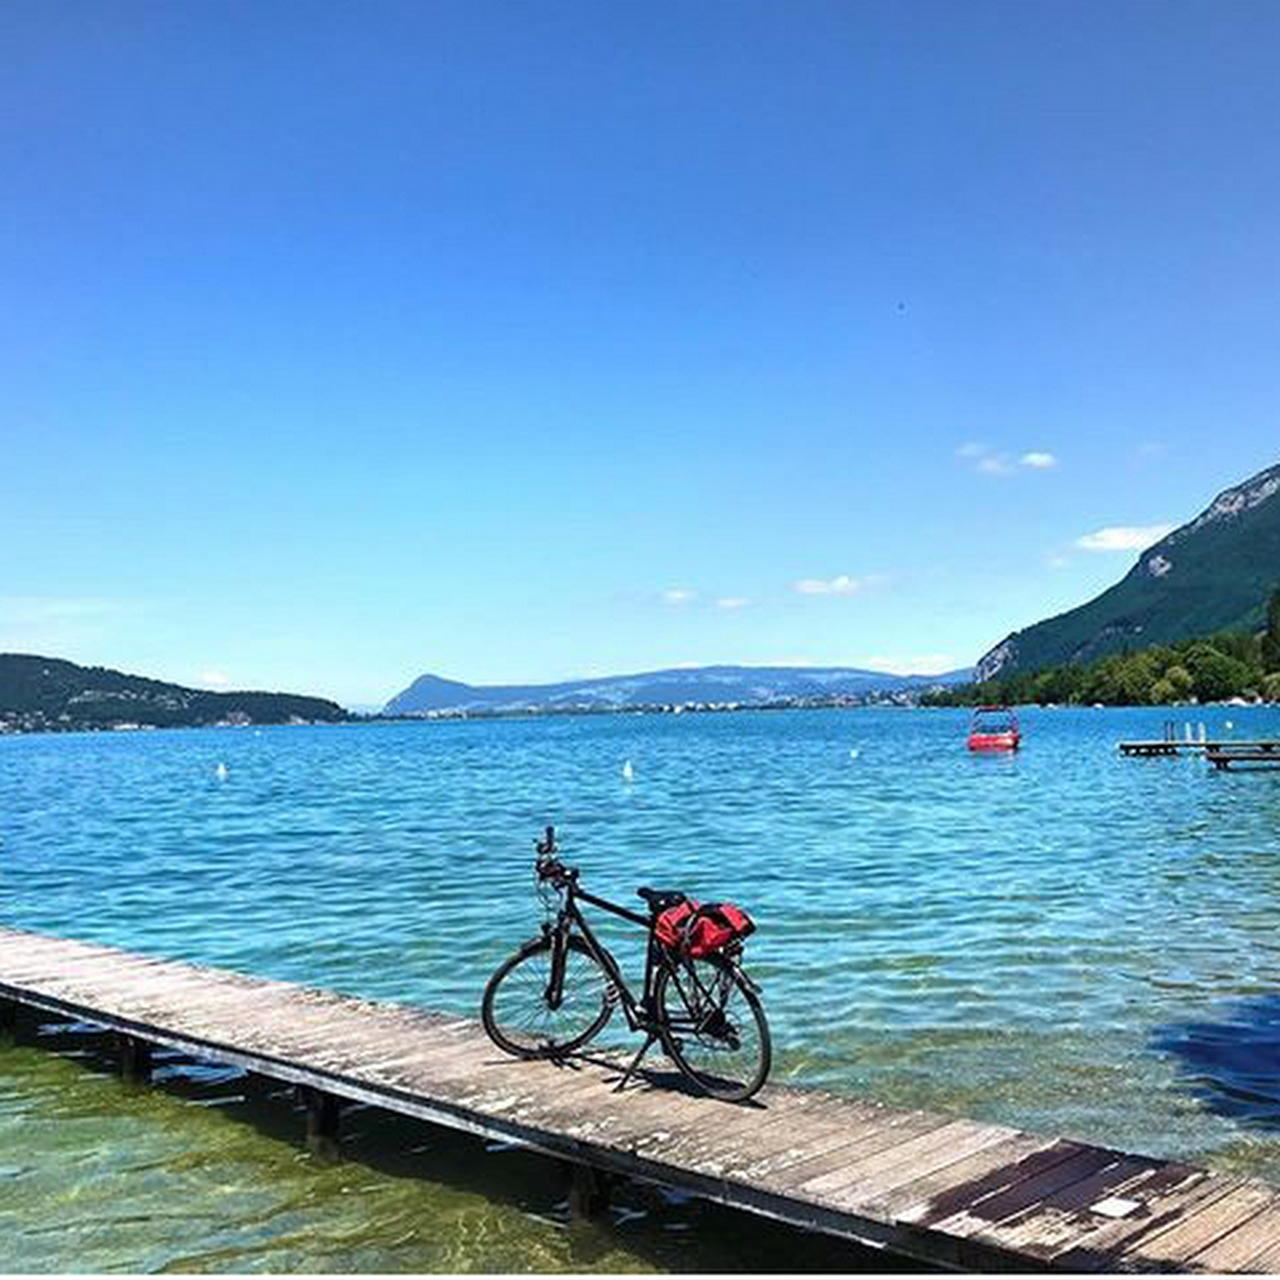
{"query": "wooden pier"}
(1219, 752)
(1251, 755)
(1149, 747)
(940, 1189)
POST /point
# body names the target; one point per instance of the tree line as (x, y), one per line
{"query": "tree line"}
(1212, 669)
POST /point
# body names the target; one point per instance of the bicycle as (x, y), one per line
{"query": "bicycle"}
(559, 991)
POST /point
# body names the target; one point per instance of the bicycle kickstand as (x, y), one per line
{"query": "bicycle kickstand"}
(635, 1062)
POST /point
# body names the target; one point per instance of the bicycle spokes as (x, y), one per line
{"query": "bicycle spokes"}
(705, 1002)
(541, 1011)
(713, 1029)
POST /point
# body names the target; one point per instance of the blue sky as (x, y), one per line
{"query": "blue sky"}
(521, 341)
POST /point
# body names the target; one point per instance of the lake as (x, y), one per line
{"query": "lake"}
(1064, 940)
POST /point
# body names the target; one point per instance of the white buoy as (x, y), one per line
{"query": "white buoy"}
(221, 771)
(853, 753)
(628, 773)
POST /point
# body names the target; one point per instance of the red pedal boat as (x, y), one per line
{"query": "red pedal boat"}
(994, 729)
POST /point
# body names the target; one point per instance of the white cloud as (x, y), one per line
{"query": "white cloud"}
(1001, 462)
(841, 585)
(1038, 460)
(1057, 562)
(732, 602)
(1124, 537)
(678, 596)
(214, 679)
(996, 464)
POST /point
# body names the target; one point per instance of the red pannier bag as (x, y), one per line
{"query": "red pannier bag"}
(701, 930)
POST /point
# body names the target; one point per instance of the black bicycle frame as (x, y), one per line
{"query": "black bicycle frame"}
(639, 1013)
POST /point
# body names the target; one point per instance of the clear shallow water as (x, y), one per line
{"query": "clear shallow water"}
(1063, 940)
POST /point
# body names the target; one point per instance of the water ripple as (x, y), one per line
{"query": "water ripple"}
(1005, 937)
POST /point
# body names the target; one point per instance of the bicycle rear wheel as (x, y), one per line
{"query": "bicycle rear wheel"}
(518, 1016)
(713, 1027)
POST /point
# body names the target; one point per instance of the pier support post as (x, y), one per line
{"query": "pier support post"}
(9, 1019)
(134, 1058)
(589, 1190)
(324, 1118)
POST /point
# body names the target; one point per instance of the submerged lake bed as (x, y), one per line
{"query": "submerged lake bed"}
(1061, 939)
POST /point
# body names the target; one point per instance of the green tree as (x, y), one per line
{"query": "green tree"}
(1121, 680)
(1216, 675)
(1182, 682)
(1221, 666)
(1241, 645)
(1271, 687)
(1057, 684)
(1271, 637)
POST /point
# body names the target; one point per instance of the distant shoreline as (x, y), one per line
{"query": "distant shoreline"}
(505, 713)
(356, 719)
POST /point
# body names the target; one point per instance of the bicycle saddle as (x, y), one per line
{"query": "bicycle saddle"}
(660, 899)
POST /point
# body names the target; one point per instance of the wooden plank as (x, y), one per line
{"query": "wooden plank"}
(45, 971)
(1049, 1176)
(1188, 1235)
(1266, 1263)
(171, 997)
(1060, 1218)
(863, 1192)
(937, 1188)
(861, 1141)
(917, 1151)
(120, 992)
(1168, 1195)
(1078, 1235)
(713, 1148)
(814, 1135)
(1236, 1250)
(987, 1197)
(386, 1062)
(969, 1177)
(785, 1132)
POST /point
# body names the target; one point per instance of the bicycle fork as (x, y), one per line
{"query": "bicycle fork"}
(554, 993)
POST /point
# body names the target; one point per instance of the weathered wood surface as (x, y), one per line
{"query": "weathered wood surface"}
(938, 1188)
(1160, 747)
(1223, 755)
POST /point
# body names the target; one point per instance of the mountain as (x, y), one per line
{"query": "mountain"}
(1214, 574)
(673, 687)
(50, 693)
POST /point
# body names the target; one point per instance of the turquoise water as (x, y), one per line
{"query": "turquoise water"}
(1062, 940)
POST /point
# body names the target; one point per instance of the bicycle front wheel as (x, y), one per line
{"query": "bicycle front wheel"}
(713, 1027)
(519, 1016)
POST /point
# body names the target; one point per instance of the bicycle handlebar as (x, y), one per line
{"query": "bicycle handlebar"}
(549, 865)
